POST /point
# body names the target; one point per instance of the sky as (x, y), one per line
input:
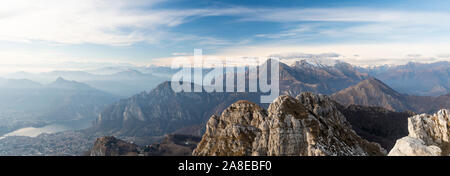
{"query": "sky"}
(46, 34)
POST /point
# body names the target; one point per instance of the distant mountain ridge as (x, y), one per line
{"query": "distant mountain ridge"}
(305, 77)
(316, 74)
(373, 92)
(62, 100)
(424, 79)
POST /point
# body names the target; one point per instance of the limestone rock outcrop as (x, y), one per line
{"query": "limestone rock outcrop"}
(309, 125)
(171, 145)
(428, 136)
(111, 146)
(373, 92)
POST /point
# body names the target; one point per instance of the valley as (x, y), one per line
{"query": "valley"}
(81, 113)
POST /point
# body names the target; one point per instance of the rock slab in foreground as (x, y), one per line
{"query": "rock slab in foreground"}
(428, 136)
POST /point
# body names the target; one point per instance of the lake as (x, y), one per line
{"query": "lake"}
(53, 128)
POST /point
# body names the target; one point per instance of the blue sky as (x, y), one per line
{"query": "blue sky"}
(147, 32)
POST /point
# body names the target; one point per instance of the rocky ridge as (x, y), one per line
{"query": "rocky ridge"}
(309, 125)
(373, 92)
(110, 146)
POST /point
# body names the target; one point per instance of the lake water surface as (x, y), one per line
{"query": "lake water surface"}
(52, 128)
(33, 132)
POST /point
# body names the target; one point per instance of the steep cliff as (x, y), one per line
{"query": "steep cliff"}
(309, 125)
(429, 135)
(162, 111)
(372, 92)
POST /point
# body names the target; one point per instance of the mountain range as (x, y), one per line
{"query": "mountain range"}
(428, 135)
(303, 76)
(375, 111)
(373, 92)
(377, 124)
(171, 145)
(163, 111)
(25, 103)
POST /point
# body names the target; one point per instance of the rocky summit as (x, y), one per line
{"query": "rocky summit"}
(110, 146)
(428, 136)
(171, 145)
(309, 125)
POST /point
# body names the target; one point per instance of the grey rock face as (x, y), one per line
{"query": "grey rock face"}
(310, 125)
(428, 135)
(373, 92)
(163, 111)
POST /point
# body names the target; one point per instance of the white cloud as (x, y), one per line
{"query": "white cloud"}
(108, 22)
(122, 22)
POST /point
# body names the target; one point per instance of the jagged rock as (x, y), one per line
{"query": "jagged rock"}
(308, 126)
(171, 145)
(428, 135)
(110, 146)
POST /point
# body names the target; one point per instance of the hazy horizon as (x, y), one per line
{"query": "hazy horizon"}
(88, 34)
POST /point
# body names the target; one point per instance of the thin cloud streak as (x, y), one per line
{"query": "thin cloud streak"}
(120, 22)
(125, 23)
